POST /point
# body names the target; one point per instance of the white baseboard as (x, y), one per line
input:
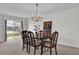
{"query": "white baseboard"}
(68, 45)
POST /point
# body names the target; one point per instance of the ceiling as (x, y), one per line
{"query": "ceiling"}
(27, 9)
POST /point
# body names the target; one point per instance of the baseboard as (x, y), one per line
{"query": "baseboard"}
(68, 45)
(2, 41)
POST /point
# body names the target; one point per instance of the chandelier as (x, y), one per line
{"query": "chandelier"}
(37, 16)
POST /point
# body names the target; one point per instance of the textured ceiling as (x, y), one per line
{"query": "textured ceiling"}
(27, 9)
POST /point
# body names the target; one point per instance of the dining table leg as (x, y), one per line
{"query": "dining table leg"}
(41, 46)
(41, 49)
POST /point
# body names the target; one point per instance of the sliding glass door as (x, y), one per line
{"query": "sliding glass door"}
(13, 29)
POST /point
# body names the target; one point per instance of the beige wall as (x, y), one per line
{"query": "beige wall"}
(67, 23)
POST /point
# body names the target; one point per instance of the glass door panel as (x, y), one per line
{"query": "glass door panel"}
(13, 29)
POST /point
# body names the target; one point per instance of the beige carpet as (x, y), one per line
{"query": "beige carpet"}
(13, 46)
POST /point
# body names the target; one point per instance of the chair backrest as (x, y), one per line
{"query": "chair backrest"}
(44, 35)
(55, 38)
(40, 33)
(31, 37)
(24, 35)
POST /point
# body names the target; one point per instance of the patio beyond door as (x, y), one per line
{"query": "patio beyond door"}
(13, 29)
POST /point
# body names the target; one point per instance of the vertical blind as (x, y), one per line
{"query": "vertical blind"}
(2, 29)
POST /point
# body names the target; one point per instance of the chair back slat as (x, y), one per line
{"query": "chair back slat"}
(54, 38)
(31, 37)
(24, 35)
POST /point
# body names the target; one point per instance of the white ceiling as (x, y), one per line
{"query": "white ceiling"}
(27, 9)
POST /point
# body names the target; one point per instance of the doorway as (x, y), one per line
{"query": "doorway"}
(13, 29)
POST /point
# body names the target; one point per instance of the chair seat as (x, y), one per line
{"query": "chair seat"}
(48, 45)
(47, 40)
(37, 43)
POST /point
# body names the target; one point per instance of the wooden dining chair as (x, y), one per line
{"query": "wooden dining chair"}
(33, 41)
(24, 39)
(52, 42)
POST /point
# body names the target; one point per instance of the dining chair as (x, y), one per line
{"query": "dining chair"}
(33, 41)
(24, 39)
(52, 42)
(45, 37)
